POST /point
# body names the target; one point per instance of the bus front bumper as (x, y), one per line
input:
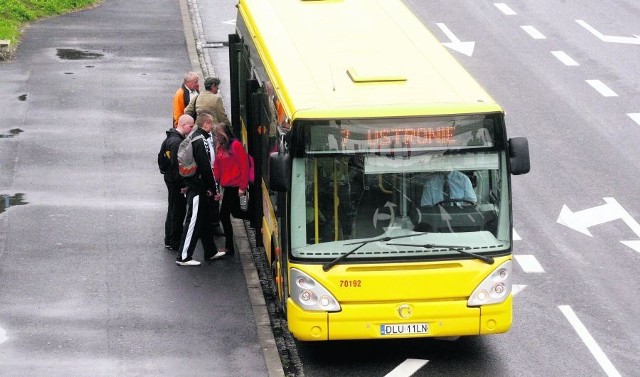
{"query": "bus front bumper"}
(399, 320)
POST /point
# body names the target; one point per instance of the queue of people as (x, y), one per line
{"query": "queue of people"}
(197, 204)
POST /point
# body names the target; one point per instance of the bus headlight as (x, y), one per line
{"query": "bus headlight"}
(310, 295)
(494, 289)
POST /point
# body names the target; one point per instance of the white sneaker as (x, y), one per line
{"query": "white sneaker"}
(217, 255)
(190, 262)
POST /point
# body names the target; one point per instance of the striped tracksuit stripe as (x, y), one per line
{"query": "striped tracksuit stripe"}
(190, 226)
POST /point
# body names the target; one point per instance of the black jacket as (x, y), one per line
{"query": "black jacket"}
(171, 144)
(203, 179)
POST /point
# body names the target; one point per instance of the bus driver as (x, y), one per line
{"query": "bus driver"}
(447, 187)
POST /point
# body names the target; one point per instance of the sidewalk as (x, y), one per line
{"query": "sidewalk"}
(88, 288)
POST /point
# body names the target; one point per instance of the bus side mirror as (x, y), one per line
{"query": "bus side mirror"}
(279, 171)
(519, 155)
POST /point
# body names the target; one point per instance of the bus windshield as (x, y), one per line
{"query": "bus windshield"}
(439, 183)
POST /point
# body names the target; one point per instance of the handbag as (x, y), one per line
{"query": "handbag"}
(244, 201)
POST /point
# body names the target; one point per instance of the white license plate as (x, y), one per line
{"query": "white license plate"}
(404, 329)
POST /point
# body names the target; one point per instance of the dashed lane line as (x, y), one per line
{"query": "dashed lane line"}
(516, 236)
(529, 263)
(604, 90)
(564, 58)
(635, 117)
(407, 368)
(504, 8)
(3, 335)
(533, 32)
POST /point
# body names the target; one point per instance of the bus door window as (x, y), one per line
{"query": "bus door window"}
(328, 199)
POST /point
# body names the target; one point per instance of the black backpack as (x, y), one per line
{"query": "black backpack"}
(164, 158)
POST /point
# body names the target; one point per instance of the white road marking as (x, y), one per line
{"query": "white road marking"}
(517, 288)
(529, 263)
(504, 8)
(586, 218)
(533, 32)
(407, 368)
(583, 220)
(588, 340)
(516, 236)
(3, 335)
(635, 117)
(564, 58)
(456, 44)
(635, 40)
(602, 88)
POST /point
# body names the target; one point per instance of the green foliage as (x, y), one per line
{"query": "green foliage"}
(15, 13)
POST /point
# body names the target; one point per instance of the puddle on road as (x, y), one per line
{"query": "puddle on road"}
(73, 54)
(12, 132)
(7, 201)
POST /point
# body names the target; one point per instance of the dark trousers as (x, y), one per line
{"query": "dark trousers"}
(230, 206)
(176, 210)
(197, 226)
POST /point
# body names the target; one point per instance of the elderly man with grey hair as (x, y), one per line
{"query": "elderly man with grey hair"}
(184, 95)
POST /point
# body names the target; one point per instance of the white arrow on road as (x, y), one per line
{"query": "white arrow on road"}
(583, 220)
(455, 44)
(635, 40)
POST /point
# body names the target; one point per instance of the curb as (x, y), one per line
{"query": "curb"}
(258, 304)
(189, 37)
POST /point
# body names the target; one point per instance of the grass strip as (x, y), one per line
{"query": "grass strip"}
(15, 14)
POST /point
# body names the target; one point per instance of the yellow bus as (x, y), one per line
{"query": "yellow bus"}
(383, 172)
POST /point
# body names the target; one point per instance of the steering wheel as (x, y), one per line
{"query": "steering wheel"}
(447, 201)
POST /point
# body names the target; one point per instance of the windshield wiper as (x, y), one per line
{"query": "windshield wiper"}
(459, 249)
(327, 266)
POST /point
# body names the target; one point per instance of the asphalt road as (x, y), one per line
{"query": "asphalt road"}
(577, 269)
(571, 87)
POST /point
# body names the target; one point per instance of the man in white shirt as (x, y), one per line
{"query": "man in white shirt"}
(443, 186)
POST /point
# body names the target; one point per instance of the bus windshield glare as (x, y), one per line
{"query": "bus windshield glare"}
(440, 184)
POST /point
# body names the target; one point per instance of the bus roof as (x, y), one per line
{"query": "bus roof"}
(358, 58)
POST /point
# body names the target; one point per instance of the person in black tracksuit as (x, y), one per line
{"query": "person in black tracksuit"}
(200, 188)
(177, 207)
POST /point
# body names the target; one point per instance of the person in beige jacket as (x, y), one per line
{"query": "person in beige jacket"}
(209, 101)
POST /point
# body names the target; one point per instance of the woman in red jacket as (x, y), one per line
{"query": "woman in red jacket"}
(231, 170)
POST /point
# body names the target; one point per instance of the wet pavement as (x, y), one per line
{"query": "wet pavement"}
(88, 288)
